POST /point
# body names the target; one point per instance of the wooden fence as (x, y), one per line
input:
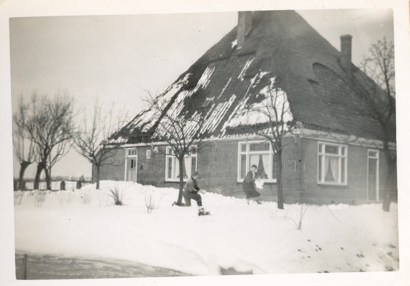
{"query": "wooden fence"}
(55, 185)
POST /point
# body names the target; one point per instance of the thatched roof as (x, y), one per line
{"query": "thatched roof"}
(282, 48)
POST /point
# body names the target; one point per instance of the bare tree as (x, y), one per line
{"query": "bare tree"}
(91, 138)
(271, 115)
(380, 98)
(182, 133)
(51, 129)
(24, 146)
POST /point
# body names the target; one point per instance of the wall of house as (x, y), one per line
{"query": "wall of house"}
(217, 165)
(218, 168)
(114, 171)
(357, 169)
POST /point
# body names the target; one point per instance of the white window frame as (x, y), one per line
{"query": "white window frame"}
(247, 152)
(377, 171)
(321, 156)
(130, 153)
(174, 160)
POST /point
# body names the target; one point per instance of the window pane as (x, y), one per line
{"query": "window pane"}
(342, 179)
(243, 166)
(331, 169)
(193, 165)
(319, 171)
(169, 168)
(263, 166)
(331, 149)
(372, 154)
(343, 151)
(243, 147)
(320, 148)
(176, 169)
(253, 160)
(259, 147)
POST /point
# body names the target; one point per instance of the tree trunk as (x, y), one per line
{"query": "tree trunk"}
(181, 179)
(279, 179)
(391, 166)
(98, 177)
(48, 178)
(387, 187)
(23, 167)
(40, 167)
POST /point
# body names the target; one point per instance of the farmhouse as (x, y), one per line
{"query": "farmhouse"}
(333, 151)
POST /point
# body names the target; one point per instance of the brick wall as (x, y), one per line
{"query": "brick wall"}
(113, 172)
(356, 190)
(217, 165)
(218, 168)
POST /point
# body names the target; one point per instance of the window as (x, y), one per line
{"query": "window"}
(172, 165)
(332, 164)
(259, 154)
(131, 152)
(148, 154)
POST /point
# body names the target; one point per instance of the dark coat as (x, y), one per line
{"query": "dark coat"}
(249, 186)
(191, 186)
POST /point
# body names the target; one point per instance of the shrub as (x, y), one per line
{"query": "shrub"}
(117, 195)
(152, 201)
(65, 197)
(102, 199)
(39, 198)
(303, 208)
(18, 196)
(85, 197)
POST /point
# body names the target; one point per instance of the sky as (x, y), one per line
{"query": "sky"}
(120, 59)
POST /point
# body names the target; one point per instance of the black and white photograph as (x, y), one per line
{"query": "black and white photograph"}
(185, 144)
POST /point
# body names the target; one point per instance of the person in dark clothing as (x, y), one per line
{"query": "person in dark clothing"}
(249, 185)
(191, 191)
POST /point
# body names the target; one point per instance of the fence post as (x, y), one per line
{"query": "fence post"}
(62, 186)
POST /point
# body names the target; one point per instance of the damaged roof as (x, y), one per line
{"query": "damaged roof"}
(281, 49)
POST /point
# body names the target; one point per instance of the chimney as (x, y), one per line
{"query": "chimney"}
(346, 53)
(244, 26)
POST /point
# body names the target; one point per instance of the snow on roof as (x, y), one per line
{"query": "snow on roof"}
(281, 49)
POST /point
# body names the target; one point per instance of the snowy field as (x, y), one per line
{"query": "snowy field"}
(248, 238)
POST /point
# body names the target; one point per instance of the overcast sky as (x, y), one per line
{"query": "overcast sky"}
(120, 58)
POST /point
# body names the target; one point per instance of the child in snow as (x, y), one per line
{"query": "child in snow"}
(249, 185)
(191, 191)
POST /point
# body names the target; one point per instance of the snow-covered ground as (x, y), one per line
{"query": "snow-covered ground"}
(257, 238)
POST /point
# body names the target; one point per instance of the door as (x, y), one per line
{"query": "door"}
(373, 175)
(131, 170)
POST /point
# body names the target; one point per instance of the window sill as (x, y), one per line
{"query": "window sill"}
(333, 185)
(264, 181)
(174, 180)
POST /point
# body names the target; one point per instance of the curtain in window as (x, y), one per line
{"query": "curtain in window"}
(263, 161)
(253, 160)
(186, 163)
(331, 171)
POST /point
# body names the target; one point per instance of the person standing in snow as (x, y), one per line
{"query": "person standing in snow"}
(191, 192)
(249, 185)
